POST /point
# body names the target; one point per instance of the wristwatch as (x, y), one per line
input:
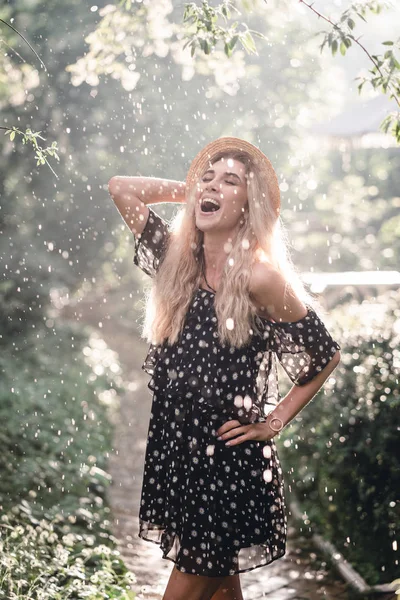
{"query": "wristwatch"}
(271, 420)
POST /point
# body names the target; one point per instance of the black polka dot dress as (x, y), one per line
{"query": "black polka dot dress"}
(217, 510)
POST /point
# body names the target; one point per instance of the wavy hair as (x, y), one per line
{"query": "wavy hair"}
(261, 237)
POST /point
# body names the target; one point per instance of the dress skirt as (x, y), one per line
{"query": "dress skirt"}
(215, 510)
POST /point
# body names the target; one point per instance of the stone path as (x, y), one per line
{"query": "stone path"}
(300, 575)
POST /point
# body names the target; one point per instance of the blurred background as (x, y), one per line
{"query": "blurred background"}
(120, 96)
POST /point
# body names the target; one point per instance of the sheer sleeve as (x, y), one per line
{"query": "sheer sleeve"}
(151, 244)
(303, 347)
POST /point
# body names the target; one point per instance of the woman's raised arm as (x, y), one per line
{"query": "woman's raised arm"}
(132, 194)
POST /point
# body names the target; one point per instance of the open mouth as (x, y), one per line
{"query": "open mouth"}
(209, 205)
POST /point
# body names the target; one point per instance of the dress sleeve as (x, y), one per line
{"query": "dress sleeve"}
(151, 244)
(303, 347)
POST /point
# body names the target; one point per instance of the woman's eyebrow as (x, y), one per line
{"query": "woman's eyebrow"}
(211, 171)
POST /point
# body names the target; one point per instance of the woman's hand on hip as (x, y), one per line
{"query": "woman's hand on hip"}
(234, 433)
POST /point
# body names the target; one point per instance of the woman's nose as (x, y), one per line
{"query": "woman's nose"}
(211, 185)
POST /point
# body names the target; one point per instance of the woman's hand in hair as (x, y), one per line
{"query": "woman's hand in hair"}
(234, 433)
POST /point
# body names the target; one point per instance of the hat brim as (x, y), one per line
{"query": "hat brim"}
(231, 144)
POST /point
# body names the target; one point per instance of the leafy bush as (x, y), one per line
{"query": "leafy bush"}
(57, 399)
(57, 408)
(47, 560)
(343, 448)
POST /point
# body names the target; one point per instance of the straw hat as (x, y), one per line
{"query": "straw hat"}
(228, 144)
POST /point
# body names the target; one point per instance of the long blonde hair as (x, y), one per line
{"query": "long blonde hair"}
(262, 236)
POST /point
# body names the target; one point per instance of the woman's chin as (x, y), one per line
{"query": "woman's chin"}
(207, 219)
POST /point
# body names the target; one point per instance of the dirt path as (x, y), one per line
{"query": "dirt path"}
(300, 575)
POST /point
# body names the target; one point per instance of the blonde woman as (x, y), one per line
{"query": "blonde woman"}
(225, 304)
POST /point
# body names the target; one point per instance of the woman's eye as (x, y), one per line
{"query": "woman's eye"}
(207, 179)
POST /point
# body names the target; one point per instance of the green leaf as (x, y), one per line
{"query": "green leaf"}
(12, 135)
(204, 45)
(334, 47)
(259, 35)
(233, 41)
(247, 42)
(343, 48)
(389, 43)
(360, 86)
(386, 124)
(351, 23)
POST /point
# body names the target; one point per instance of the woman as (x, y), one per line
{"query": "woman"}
(226, 301)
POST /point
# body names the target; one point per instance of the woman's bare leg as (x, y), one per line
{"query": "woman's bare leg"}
(182, 586)
(229, 589)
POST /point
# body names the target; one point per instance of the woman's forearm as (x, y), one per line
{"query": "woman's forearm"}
(299, 396)
(150, 190)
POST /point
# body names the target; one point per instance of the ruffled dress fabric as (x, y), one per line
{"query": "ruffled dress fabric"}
(217, 510)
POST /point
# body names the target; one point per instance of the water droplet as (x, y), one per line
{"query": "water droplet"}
(267, 451)
(210, 449)
(238, 401)
(230, 324)
(267, 475)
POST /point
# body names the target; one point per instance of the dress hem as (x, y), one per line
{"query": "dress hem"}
(231, 572)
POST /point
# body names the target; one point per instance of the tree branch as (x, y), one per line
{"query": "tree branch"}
(349, 35)
(26, 41)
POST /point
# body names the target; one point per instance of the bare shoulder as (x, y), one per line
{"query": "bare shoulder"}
(273, 295)
(264, 275)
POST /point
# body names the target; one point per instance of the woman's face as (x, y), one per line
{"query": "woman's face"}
(225, 183)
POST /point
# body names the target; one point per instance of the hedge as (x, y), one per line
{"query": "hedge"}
(343, 447)
(58, 395)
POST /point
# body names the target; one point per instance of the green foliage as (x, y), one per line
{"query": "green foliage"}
(58, 397)
(385, 73)
(30, 137)
(58, 434)
(204, 32)
(45, 559)
(341, 34)
(365, 190)
(53, 229)
(385, 76)
(343, 448)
